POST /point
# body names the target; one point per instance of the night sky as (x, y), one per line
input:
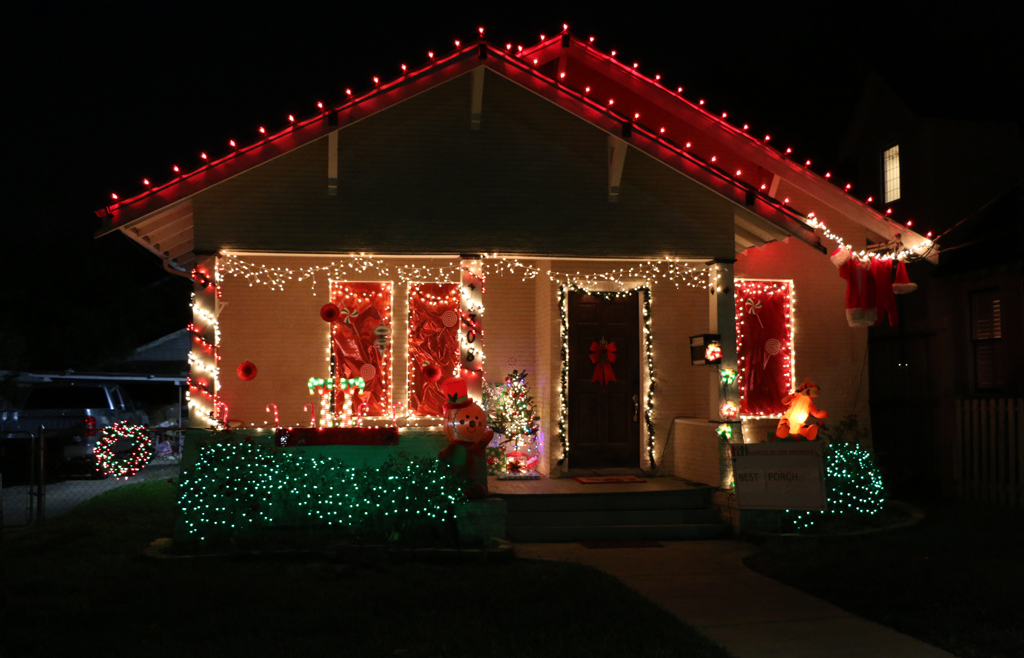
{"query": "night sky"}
(99, 97)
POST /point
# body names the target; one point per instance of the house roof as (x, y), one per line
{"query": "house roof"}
(616, 98)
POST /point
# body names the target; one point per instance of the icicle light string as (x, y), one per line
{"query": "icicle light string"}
(677, 272)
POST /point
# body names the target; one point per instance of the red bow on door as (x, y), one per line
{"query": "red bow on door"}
(603, 357)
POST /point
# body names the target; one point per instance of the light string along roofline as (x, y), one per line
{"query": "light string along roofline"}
(920, 251)
(465, 49)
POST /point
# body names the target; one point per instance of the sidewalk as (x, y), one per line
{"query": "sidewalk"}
(705, 584)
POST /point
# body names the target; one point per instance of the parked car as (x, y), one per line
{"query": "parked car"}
(73, 415)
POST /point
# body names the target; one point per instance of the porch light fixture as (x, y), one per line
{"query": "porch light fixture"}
(705, 349)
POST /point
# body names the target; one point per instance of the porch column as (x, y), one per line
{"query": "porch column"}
(203, 383)
(471, 331)
(722, 321)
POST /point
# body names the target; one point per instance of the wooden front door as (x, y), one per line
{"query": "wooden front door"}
(604, 418)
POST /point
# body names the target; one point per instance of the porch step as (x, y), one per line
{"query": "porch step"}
(697, 498)
(667, 514)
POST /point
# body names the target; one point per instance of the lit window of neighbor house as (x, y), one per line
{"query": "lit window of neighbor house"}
(891, 172)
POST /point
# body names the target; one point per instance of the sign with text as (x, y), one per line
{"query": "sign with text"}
(781, 475)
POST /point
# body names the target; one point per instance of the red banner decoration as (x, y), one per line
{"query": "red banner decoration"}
(603, 356)
(361, 343)
(433, 342)
(336, 436)
(764, 345)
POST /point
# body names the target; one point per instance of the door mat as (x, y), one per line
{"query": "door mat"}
(609, 479)
(621, 543)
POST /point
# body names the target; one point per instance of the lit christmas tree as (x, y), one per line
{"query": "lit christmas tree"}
(513, 417)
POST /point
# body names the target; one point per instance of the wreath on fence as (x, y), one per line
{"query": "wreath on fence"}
(123, 464)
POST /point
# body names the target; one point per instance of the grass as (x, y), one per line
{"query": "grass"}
(954, 580)
(79, 585)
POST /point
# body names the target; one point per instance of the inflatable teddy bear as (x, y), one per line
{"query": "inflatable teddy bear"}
(465, 426)
(800, 406)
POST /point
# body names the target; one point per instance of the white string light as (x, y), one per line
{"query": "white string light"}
(919, 250)
(667, 270)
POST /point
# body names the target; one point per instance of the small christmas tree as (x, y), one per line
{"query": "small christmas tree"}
(852, 480)
(513, 417)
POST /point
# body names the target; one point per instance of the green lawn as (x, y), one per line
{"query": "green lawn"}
(954, 580)
(79, 585)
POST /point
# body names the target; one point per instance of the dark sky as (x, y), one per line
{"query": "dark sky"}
(101, 95)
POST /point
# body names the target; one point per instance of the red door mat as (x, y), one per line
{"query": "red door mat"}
(336, 436)
(609, 479)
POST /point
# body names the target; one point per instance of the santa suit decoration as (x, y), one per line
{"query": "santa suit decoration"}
(870, 289)
(881, 270)
(861, 304)
(465, 426)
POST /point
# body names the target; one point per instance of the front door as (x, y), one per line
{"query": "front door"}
(604, 397)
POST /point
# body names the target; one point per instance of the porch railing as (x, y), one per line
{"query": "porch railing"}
(988, 451)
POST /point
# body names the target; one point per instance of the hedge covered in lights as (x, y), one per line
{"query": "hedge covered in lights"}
(236, 488)
(853, 484)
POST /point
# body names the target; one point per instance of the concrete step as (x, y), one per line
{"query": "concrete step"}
(581, 533)
(633, 517)
(698, 498)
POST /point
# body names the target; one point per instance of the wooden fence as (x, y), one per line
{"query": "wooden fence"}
(988, 451)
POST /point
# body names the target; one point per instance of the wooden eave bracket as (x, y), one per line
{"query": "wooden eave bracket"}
(616, 160)
(477, 98)
(332, 163)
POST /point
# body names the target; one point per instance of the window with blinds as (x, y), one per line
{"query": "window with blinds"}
(891, 173)
(987, 334)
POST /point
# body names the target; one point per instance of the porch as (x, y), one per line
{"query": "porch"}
(398, 314)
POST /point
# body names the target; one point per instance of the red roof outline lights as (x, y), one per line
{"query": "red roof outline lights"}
(462, 51)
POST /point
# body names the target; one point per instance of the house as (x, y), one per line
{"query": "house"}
(957, 364)
(495, 209)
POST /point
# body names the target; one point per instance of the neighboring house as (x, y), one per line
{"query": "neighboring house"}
(962, 338)
(523, 206)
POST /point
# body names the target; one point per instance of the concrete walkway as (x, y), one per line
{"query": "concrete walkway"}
(706, 584)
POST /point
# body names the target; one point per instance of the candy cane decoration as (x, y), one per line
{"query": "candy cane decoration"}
(326, 419)
(398, 410)
(221, 406)
(277, 420)
(754, 305)
(311, 408)
(771, 348)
